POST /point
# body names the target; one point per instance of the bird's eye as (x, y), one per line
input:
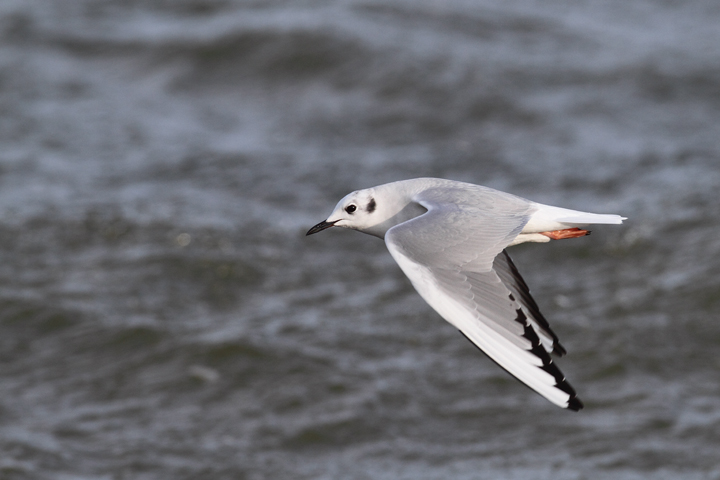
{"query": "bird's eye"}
(350, 208)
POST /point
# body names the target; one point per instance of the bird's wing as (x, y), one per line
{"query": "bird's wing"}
(451, 253)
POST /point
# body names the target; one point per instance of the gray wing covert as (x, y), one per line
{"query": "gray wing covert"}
(463, 227)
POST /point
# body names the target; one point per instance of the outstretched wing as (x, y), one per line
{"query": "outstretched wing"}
(453, 255)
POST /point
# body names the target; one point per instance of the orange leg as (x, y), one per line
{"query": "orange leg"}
(566, 233)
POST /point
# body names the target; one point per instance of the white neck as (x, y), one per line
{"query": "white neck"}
(395, 205)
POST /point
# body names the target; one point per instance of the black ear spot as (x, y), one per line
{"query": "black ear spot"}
(371, 205)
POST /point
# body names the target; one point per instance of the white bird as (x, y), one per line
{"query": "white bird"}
(449, 238)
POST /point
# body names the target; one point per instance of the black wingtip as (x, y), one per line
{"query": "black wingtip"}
(558, 350)
(575, 404)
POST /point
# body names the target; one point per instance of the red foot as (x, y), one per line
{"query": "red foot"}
(566, 233)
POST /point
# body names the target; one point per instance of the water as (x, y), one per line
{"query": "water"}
(163, 315)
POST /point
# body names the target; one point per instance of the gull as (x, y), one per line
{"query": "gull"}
(450, 239)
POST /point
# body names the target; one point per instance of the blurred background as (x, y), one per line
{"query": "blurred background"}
(162, 314)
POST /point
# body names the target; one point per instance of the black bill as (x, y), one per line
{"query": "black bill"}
(320, 227)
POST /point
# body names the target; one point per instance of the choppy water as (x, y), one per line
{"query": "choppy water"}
(163, 316)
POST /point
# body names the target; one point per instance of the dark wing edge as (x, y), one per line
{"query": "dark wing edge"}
(573, 403)
(511, 278)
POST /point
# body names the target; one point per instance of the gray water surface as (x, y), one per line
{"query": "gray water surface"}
(163, 316)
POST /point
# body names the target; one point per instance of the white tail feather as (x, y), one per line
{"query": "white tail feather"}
(593, 218)
(547, 218)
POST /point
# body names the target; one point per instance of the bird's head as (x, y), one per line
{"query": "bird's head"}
(357, 210)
